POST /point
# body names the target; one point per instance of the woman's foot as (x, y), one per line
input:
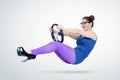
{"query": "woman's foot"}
(22, 52)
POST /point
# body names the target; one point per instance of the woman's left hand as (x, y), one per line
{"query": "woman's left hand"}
(60, 27)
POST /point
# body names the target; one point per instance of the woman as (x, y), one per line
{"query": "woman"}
(85, 40)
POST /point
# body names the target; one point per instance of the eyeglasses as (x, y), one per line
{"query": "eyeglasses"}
(84, 23)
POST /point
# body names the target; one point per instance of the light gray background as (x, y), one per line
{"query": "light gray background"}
(26, 23)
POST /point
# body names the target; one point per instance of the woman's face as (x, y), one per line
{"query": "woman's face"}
(86, 25)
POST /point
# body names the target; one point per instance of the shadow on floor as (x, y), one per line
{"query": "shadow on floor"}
(70, 72)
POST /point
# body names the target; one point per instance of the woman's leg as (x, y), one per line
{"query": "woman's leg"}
(63, 51)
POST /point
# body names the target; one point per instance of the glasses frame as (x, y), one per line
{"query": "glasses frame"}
(84, 23)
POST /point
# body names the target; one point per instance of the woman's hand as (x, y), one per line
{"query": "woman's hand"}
(51, 30)
(60, 27)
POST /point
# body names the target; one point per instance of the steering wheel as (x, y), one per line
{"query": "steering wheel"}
(55, 35)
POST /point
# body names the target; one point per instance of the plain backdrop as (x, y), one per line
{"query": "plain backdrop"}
(26, 23)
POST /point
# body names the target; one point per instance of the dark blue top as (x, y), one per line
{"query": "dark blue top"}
(83, 48)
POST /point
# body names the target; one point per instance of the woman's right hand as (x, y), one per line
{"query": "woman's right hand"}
(59, 27)
(51, 30)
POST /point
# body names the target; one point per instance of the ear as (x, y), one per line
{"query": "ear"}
(91, 24)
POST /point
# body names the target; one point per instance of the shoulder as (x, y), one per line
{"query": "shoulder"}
(90, 34)
(93, 35)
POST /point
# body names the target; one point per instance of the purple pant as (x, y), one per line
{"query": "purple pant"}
(64, 52)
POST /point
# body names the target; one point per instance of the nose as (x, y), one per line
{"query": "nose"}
(83, 26)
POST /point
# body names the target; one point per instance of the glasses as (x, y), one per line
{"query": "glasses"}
(84, 23)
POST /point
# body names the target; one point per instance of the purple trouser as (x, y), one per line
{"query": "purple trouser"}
(64, 52)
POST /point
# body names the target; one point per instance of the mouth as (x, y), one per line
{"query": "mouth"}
(83, 27)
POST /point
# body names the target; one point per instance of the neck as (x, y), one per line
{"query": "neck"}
(88, 29)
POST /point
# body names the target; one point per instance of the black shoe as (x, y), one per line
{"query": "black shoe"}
(19, 51)
(22, 52)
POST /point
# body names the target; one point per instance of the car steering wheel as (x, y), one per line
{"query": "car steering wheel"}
(55, 35)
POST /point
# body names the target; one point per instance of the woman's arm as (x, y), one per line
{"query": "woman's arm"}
(73, 33)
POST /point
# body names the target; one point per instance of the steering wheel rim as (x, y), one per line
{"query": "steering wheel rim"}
(58, 34)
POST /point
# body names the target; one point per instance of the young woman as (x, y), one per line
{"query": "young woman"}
(85, 41)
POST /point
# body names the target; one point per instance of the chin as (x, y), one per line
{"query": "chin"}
(84, 29)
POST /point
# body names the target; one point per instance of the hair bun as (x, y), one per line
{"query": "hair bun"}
(92, 17)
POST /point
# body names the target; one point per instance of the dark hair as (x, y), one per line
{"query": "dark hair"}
(90, 18)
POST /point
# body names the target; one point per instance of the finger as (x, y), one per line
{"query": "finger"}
(51, 30)
(58, 27)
